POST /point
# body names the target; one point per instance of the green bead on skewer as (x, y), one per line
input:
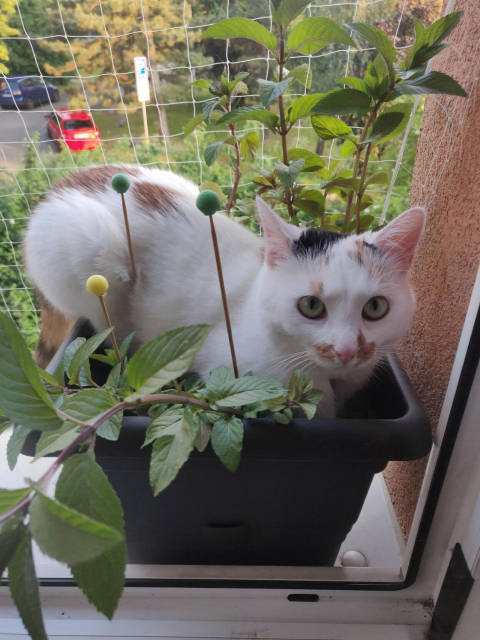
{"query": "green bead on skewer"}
(121, 184)
(209, 203)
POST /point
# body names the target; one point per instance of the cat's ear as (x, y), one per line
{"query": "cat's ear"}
(400, 237)
(278, 234)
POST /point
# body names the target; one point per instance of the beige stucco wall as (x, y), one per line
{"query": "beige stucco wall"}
(446, 181)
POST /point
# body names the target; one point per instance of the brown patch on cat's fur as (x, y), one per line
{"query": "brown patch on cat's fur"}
(357, 255)
(154, 197)
(366, 350)
(94, 179)
(54, 329)
(326, 259)
(316, 287)
(325, 351)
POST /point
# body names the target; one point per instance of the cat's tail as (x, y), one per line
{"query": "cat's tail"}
(54, 329)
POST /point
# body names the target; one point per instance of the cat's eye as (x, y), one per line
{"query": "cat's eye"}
(311, 307)
(375, 308)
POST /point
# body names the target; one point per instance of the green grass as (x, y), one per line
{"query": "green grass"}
(177, 116)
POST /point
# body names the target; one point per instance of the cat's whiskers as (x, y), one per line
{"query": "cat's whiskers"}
(285, 360)
(292, 364)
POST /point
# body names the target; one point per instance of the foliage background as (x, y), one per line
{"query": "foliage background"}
(87, 49)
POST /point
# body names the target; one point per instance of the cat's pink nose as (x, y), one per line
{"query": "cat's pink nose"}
(346, 355)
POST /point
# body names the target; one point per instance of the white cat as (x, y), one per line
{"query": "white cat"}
(329, 304)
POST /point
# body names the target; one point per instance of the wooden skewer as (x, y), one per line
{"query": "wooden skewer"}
(109, 325)
(224, 296)
(98, 286)
(208, 203)
(121, 184)
(129, 239)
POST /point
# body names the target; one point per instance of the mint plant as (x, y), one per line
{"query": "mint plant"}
(377, 98)
(83, 524)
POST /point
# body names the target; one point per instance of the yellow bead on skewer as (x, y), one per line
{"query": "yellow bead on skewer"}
(98, 286)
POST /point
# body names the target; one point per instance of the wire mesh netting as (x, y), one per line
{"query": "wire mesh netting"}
(86, 51)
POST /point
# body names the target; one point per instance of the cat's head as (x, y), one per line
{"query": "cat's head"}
(343, 300)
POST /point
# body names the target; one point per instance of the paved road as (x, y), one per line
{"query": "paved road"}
(17, 127)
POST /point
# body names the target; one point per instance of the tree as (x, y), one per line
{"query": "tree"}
(36, 19)
(105, 37)
(7, 7)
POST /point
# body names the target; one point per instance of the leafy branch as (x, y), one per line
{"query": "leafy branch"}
(82, 525)
(386, 80)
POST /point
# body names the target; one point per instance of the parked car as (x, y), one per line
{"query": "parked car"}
(26, 92)
(76, 129)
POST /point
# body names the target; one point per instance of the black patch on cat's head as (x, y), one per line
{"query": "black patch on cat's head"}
(373, 248)
(314, 243)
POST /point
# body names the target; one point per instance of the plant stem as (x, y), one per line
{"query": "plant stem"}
(283, 124)
(370, 119)
(91, 428)
(361, 189)
(236, 181)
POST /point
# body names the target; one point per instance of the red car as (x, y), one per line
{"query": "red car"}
(75, 128)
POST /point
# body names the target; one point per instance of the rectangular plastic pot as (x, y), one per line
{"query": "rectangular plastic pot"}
(298, 491)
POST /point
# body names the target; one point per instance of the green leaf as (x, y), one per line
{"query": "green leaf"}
(301, 107)
(170, 452)
(309, 409)
(237, 81)
(377, 178)
(165, 424)
(50, 381)
(378, 39)
(288, 174)
(213, 186)
(404, 108)
(312, 34)
(22, 395)
(9, 498)
(296, 385)
(83, 486)
(164, 359)
(328, 128)
(269, 91)
(313, 162)
(67, 359)
(227, 440)
(207, 107)
(288, 10)
(241, 28)
(312, 194)
(442, 28)
(218, 378)
(302, 74)
(15, 444)
(247, 390)
(256, 112)
(421, 57)
(89, 404)
(193, 124)
(311, 207)
(53, 441)
(384, 125)
(249, 146)
(433, 82)
(10, 535)
(67, 535)
(341, 102)
(283, 417)
(24, 586)
(202, 82)
(341, 183)
(348, 149)
(355, 83)
(204, 432)
(83, 353)
(212, 152)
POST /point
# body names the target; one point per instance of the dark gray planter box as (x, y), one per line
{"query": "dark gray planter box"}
(296, 495)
